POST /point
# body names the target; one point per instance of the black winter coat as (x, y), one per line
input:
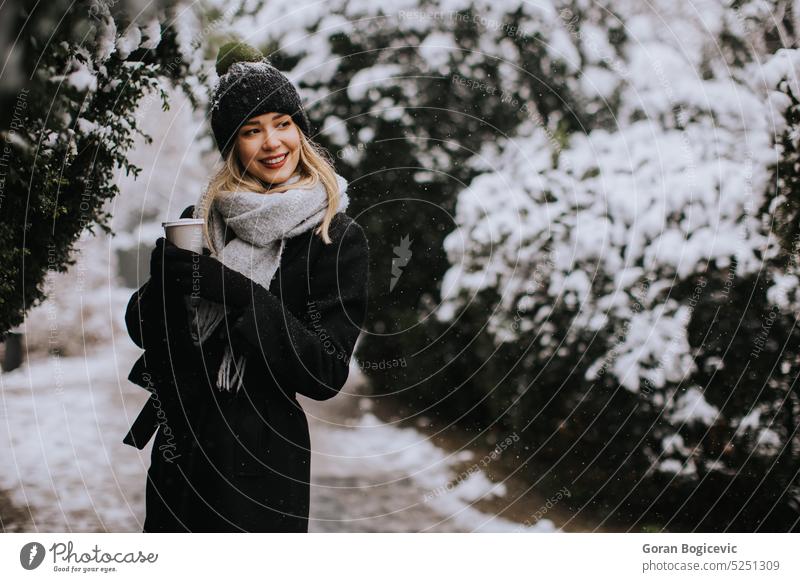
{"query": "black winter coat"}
(241, 462)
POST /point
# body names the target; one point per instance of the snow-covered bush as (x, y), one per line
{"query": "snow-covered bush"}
(636, 275)
(85, 69)
(403, 93)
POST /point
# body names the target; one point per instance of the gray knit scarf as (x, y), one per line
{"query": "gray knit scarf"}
(262, 223)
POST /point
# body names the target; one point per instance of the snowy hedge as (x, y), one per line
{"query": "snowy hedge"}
(637, 276)
(72, 123)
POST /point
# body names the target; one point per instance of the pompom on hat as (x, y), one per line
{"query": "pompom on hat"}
(248, 86)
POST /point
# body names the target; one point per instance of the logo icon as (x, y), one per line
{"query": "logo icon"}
(403, 252)
(31, 555)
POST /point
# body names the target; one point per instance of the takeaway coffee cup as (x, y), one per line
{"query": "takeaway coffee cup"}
(186, 233)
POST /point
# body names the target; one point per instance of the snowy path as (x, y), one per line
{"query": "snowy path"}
(60, 446)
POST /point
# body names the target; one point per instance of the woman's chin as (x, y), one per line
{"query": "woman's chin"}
(273, 178)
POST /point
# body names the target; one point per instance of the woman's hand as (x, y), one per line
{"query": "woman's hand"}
(156, 310)
(191, 273)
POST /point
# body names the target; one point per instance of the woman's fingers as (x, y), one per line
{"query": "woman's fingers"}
(173, 253)
(168, 249)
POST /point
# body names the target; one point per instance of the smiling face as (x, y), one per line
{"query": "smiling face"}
(268, 146)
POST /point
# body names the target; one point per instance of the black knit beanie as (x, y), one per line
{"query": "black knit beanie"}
(249, 86)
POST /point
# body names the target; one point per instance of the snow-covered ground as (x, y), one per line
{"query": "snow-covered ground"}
(63, 458)
(372, 476)
(61, 444)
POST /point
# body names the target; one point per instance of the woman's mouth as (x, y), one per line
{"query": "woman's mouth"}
(275, 162)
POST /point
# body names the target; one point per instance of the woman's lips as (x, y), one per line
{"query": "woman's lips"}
(276, 165)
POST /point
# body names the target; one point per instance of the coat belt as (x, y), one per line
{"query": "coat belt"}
(144, 427)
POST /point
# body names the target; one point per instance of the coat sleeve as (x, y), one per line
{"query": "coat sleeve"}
(311, 355)
(138, 320)
(156, 323)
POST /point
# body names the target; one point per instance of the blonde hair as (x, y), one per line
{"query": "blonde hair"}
(315, 165)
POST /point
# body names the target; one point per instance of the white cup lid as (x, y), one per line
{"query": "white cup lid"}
(182, 222)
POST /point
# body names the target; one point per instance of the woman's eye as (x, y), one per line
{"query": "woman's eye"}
(249, 132)
(285, 124)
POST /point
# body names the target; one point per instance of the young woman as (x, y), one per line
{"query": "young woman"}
(278, 299)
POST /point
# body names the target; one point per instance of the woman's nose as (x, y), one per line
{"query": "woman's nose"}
(271, 141)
